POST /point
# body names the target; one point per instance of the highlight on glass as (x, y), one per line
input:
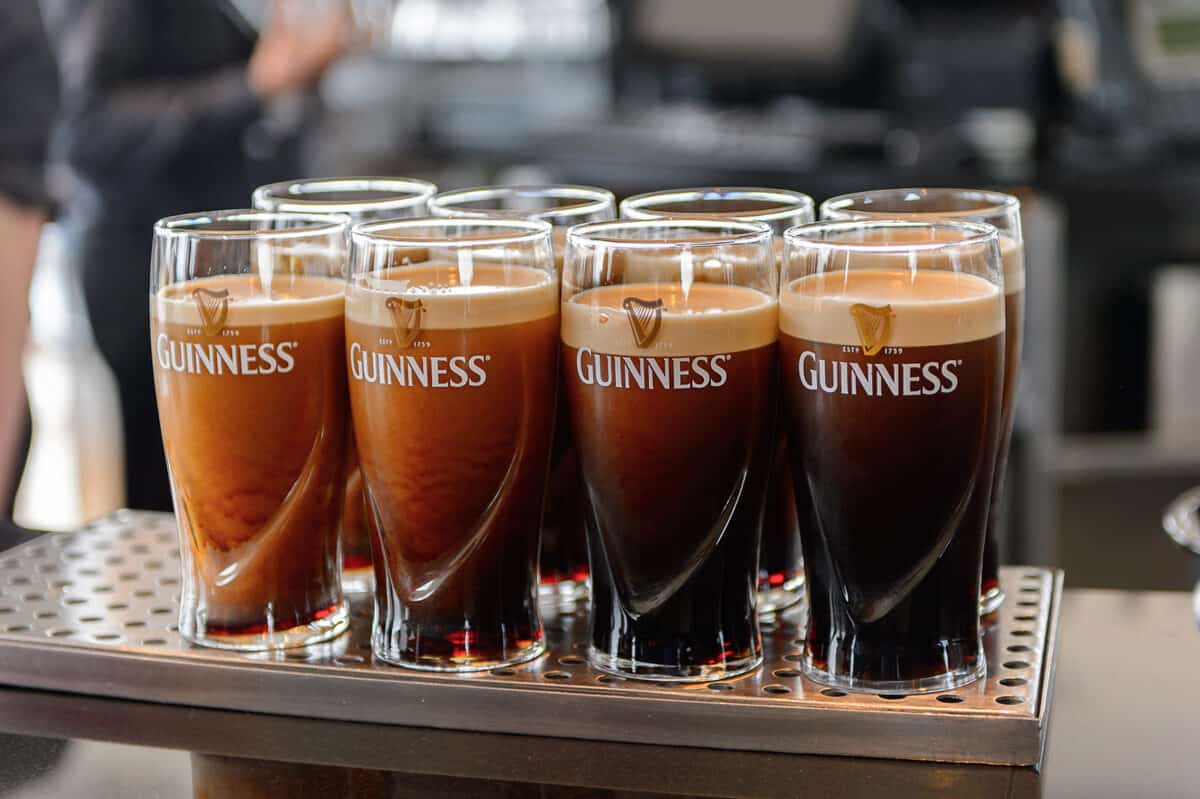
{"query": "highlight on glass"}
(892, 362)
(452, 341)
(247, 330)
(670, 389)
(1003, 211)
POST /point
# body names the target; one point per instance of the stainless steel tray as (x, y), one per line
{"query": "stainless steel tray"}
(94, 612)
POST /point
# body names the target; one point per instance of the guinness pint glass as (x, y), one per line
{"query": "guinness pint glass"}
(564, 565)
(1003, 211)
(892, 356)
(670, 389)
(246, 313)
(362, 199)
(452, 347)
(781, 563)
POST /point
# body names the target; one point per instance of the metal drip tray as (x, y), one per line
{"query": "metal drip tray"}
(94, 612)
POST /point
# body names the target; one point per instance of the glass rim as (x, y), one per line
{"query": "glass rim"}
(791, 202)
(976, 234)
(992, 203)
(195, 225)
(593, 199)
(409, 192)
(737, 232)
(525, 231)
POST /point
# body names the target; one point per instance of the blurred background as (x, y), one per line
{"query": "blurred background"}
(1089, 110)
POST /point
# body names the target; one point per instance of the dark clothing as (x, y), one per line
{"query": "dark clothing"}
(29, 97)
(156, 117)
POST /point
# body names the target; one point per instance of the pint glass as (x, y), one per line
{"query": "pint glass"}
(1004, 212)
(669, 385)
(892, 361)
(781, 562)
(564, 565)
(362, 199)
(246, 313)
(452, 347)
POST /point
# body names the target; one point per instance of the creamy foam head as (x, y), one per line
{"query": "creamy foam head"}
(455, 297)
(707, 319)
(927, 307)
(248, 301)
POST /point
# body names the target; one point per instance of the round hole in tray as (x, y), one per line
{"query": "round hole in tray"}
(143, 592)
(153, 564)
(893, 697)
(800, 642)
(791, 673)
(1022, 633)
(160, 611)
(793, 658)
(90, 572)
(102, 589)
(19, 580)
(106, 636)
(1020, 648)
(172, 628)
(1010, 700)
(73, 554)
(720, 686)
(571, 660)
(91, 619)
(1029, 589)
(33, 596)
(950, 699)
(61, 584)
(557, 675)
(17, 628)
(165, 537)
(776, 690)
(46, 568)
(505, 672)
(349, 660)
(135, 623)
(118, 606)
(1025, 617)
(832, 692)
(154, 641)
(59, 632)
(1027, 603)
(5, 609)
(11, 564)
(45, 614)
(114, 560)
(75, 600)
(296, 656)
(1016, 664)
(172, 581)
(1013, 682)
(139, 549)
(609, 679)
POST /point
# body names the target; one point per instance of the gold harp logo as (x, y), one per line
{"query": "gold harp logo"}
(214, 309)
(407, 316)
(874, 323)
(645, 319)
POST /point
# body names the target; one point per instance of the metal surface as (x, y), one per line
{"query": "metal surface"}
(94, 612)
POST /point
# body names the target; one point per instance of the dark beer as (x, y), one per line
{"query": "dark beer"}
(893, 388)
(251, 385)
(672, 404)
(452, 388)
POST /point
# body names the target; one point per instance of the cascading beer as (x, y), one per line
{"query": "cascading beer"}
(452, 389)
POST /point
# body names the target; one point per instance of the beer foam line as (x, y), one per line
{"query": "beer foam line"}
(503, 296)
(301, 298)
(962, 308)
(597, 321)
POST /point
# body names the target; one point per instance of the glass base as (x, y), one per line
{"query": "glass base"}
(656, 672)
(775, 600)
(329, 626)
(990, 601)
(451, 664)
(562, 595)
(358, 581)
(939, 683)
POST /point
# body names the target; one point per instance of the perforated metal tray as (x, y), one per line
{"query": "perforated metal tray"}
(94, 612)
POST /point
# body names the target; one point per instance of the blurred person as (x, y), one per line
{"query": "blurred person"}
(29, 96)
(168, 108)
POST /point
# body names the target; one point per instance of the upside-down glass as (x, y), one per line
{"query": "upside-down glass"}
(892, 361)
(246, 314)
(362, 199)
(1003, 211)
(781, 562)
(564, 565)
(452, 344)
(670, 388)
